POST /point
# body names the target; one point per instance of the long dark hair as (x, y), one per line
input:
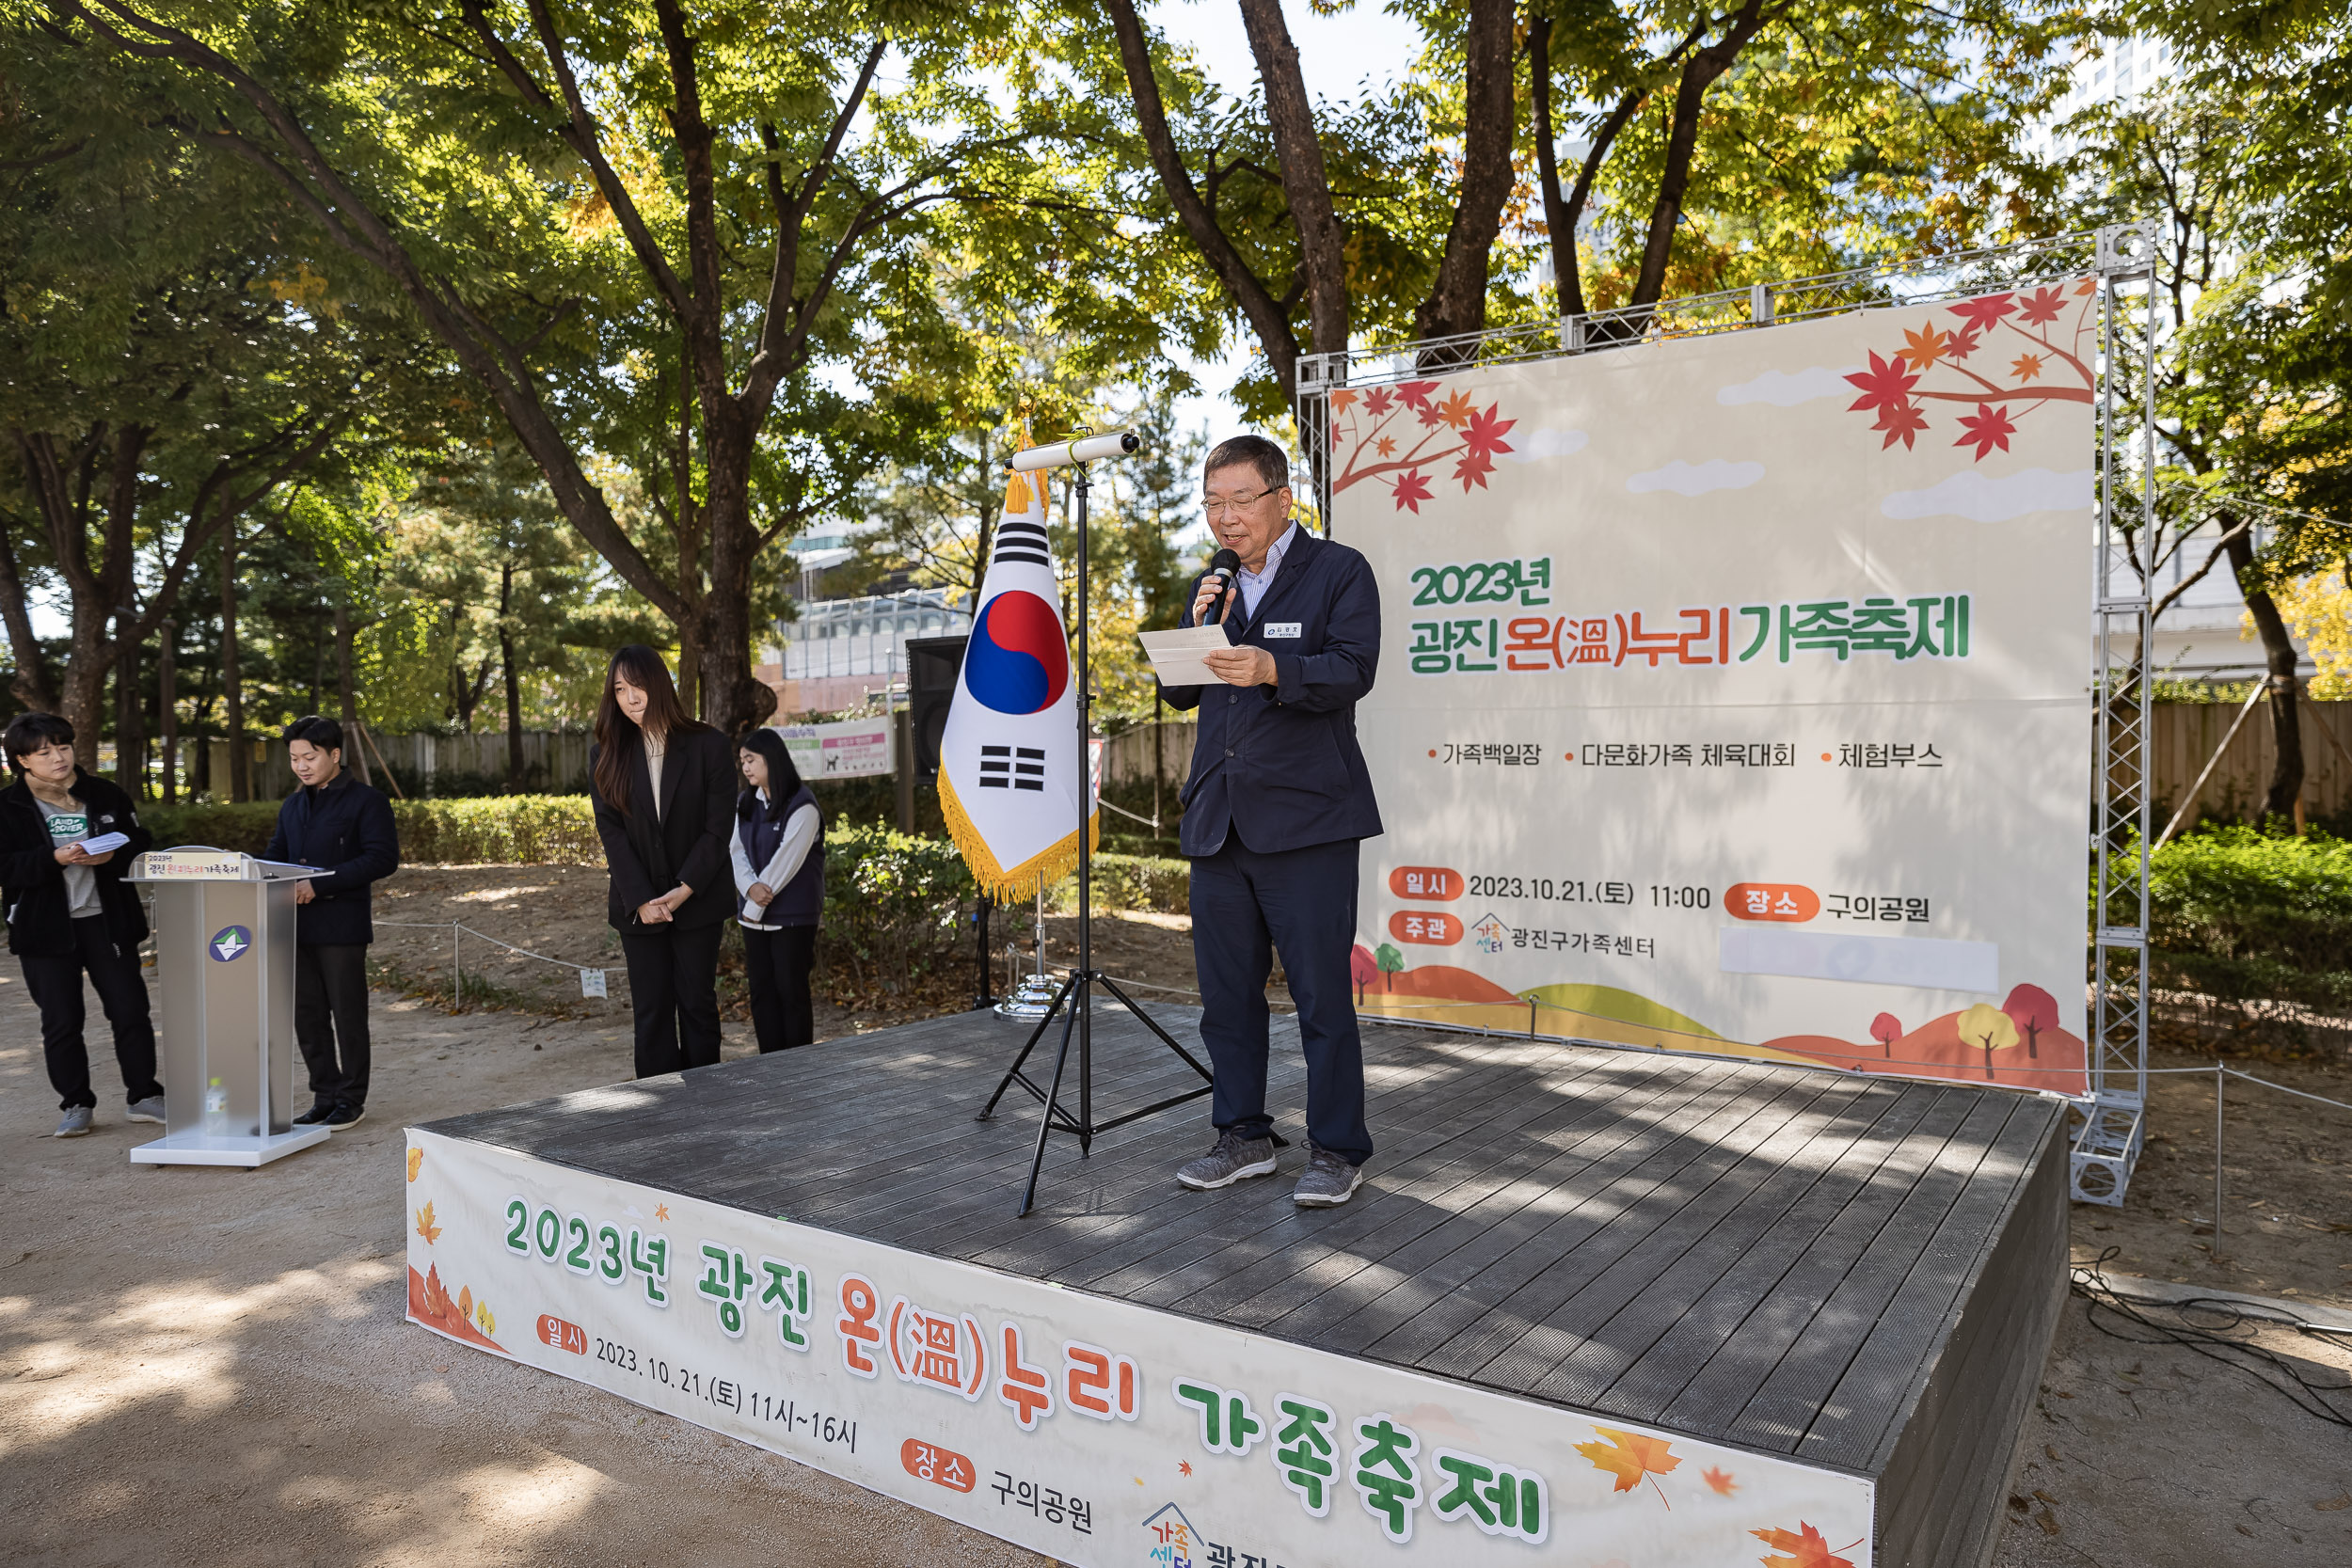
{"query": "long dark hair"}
(642, 668)
(783, 779)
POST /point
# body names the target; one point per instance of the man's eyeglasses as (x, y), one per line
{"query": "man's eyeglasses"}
(1214, 507)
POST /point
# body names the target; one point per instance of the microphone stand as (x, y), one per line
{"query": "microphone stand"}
(1075, 1001)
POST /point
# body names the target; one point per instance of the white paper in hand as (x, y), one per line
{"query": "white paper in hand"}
(105, 842)
(1176, 656)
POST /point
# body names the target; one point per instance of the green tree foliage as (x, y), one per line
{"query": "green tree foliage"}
(2253, 279)
(172, 368)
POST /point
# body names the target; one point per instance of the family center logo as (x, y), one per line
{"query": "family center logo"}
(230, 941)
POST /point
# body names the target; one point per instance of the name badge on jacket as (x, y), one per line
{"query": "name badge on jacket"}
(1285, 628)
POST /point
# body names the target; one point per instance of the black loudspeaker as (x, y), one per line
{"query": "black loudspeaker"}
(933, 664)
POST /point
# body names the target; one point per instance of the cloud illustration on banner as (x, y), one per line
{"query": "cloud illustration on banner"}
(1687, 479)
(1787, 389)
(1548, 442)
(1981, 499)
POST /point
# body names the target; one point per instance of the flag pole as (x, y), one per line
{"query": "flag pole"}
(1077, 992)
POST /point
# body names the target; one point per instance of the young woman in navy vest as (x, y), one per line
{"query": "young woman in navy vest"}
(779, 853)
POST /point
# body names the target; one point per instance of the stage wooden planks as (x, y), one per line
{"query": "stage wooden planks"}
(1858, 1274)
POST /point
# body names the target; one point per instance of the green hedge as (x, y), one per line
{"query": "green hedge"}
(2249, 914)
(515, 830)
(896, 911)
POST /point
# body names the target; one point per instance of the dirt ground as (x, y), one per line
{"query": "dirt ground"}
(192, 1361)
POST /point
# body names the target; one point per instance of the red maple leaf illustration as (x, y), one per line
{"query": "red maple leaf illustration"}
(1412, 489)
(1379, 401)
(1414, 394)
(1473, 470)
(2043, 307)
(1902, 421)
(1987, 428)
(1483, 432)
(1984, 312)
(1719, 1481)
(1884, 384)
(1964, 342)
(1807, 1551)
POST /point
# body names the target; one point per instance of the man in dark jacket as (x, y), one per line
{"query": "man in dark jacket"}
(344, 827)
(69, 911)
(1277, 800)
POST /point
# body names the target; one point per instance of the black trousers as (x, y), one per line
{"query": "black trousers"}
(1245, 905)
(56, 985)
(674, 987)
(777, 964)
(331, 1018)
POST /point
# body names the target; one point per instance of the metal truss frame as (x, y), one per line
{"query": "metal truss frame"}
(2109, 1122)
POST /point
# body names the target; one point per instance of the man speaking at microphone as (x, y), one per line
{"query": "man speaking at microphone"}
(1278, 799)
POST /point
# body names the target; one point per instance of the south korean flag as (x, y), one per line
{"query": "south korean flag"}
(1008, 769)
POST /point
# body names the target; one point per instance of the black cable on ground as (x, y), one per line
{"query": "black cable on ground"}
(2210, 1335)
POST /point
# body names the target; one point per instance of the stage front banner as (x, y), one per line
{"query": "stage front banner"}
(1091, 1430)
(1733, 689)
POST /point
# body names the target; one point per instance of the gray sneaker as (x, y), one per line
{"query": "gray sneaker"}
(149, 1109)
(1234, 1158)
(75, 1125)
(1328, 1182)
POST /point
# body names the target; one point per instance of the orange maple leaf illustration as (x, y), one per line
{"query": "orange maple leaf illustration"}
(1808, 1549)
(2025, 367)
(1720, 1480)
(1343, 400)
(415, 1158)
(1456, 410)
(1924, 347)
(662, 1211)
(1631, 1458)
(1183, 1467)
(425, 1227)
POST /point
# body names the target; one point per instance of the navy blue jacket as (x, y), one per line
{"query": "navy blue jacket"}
(345, 827)
(34, 890)
(1279, 764)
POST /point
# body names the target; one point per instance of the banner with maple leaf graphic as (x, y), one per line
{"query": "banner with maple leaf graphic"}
(1732, 693)
(1091, 1430)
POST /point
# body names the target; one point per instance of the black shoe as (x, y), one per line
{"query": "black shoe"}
(345, 1116)
(319, 1111)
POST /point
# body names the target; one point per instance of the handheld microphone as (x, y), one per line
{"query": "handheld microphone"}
(1223, 567)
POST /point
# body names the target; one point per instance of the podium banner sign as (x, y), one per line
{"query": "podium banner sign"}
(1733, 691)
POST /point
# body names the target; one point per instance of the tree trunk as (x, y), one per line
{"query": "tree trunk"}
(240, 779)
(1682, 137)
(513, 681)
(30, 683)
(1305, 183)
(2286, 729)
(167, 708)
(1457, 297)
(347, 707)
(130, 713)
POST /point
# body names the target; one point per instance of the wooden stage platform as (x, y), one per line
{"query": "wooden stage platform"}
(1695, 1306)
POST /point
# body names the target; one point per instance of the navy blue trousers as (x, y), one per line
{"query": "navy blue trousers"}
(1245, 906)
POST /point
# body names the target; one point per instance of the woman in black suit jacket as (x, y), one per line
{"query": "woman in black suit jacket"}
(664, 787)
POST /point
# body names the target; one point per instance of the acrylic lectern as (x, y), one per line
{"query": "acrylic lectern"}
(225, 965)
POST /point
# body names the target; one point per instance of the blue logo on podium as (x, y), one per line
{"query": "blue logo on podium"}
(230, 941)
